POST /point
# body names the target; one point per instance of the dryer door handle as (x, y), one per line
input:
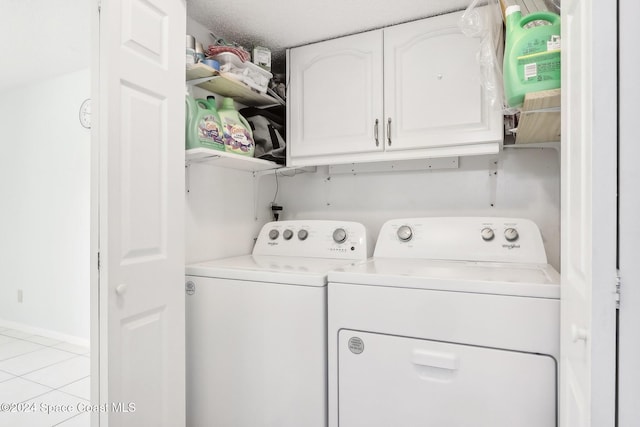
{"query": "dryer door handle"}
(435, 359)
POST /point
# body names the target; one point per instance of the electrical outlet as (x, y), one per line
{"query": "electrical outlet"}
(20, 295)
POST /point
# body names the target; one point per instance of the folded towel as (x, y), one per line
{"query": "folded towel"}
(240, 53)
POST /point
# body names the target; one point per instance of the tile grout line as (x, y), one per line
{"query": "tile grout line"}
(58, 342)
(46, 346)
(70, 394)
(43, 367)
(62, 422)
(19, 355)
(59, 387)
(35, 342)
(38, 395)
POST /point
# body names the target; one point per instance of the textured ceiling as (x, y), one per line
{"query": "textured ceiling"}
(287, 23)
(42, 38)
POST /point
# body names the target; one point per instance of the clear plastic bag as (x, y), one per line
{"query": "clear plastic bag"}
(486, 24)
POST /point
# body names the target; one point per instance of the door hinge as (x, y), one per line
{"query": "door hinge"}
(98, 260)
(618, 286)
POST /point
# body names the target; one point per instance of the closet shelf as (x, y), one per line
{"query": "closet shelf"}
(207, 78)
(228, 160)
(539, 118)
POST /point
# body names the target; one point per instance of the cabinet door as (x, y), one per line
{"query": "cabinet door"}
(433, 91)
(336, 97)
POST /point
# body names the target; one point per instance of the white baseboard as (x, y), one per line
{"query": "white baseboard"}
(44, 332)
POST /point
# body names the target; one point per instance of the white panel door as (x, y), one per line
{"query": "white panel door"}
(141, 110)
(588, 320)
(336, 96)
(433, 93)
(629, 224)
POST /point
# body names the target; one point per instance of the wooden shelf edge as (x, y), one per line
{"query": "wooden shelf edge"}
(540, 118)
(224, 85)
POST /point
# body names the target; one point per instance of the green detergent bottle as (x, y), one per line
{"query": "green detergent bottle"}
(190, 111)
(238, 137)
(531, 55)
(204, 129)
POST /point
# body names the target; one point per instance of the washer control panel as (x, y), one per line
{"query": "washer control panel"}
(313, 238)
(462, 239)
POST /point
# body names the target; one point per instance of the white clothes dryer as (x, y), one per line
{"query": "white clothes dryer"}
(454, 322)
(257, 331)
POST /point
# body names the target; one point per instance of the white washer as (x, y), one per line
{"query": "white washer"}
(454, 322)
(256, 327)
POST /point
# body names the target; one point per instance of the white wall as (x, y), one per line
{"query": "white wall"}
(527, 185)
(43, 38)
(44, 219)
(220, 219)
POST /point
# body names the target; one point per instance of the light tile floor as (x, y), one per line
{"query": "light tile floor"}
(44, 382)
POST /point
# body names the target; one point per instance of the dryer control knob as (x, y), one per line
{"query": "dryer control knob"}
(339, 235)
(511, 234)
(273, 234)
(487, 234)
(303, 234)
(405, 233)
(287, 234)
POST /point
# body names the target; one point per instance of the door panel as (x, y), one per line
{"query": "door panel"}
(143, 167)
(587, 388)
(141, 106)
(433, 89)
(336, 96)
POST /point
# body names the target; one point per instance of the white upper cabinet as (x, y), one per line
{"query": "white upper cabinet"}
(336, 96)
(405, 92)
(432, 88)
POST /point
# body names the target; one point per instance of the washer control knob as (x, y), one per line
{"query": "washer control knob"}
(303, 234)
(487, 234)
(273, 234)
(287, 234)
(511, 234)
(405, 233)
(339, 235)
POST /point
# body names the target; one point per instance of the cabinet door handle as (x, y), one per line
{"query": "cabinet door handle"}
(389, 131)
(375, 133)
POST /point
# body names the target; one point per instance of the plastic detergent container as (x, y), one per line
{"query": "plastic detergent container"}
(238, 137)
(190, 111)
(204, 128)
(531, 54)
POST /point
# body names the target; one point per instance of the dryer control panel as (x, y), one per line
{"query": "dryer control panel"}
(485, 239)
(313, 239)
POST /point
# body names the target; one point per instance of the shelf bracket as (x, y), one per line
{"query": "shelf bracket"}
(493, 181)
(187, 174)
(256, 182)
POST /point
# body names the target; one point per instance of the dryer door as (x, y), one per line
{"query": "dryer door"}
(386, 380)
